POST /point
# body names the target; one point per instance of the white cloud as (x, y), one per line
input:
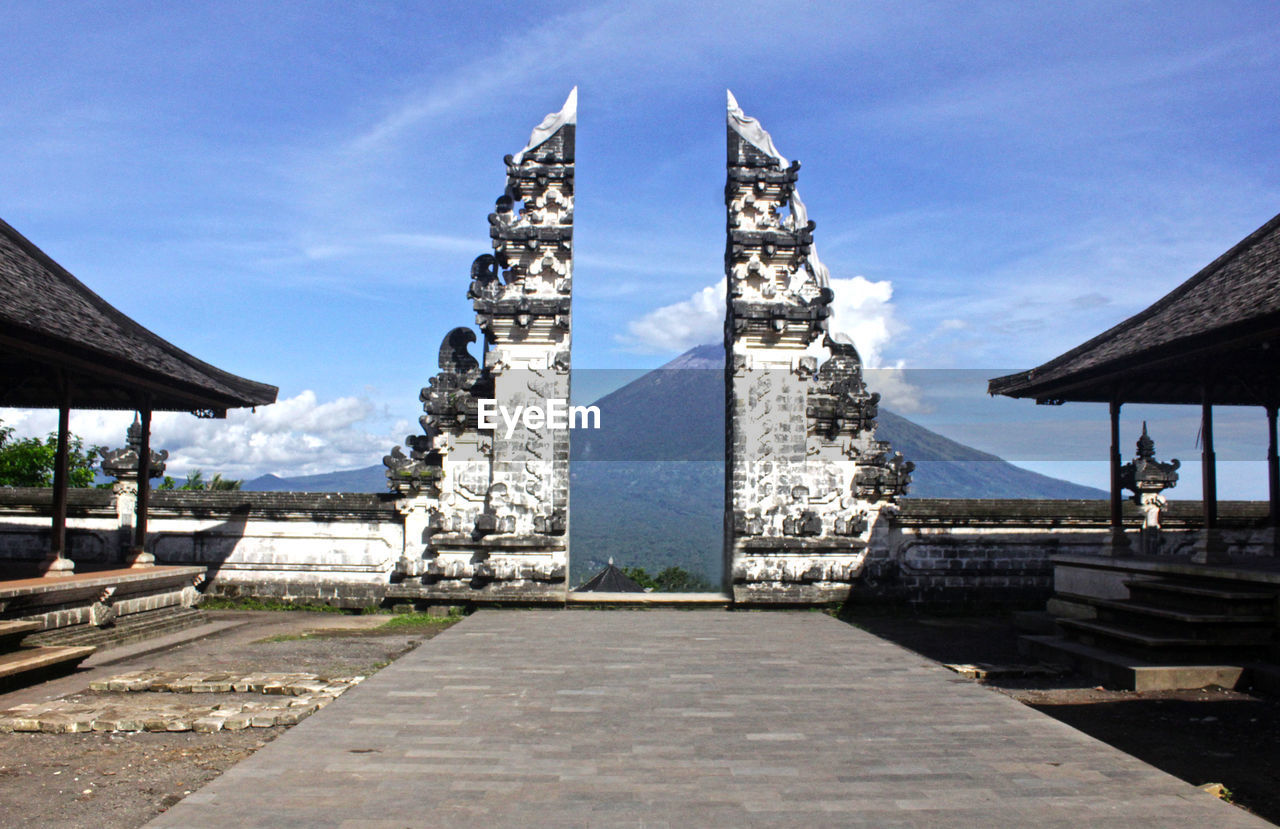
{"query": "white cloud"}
(862, 309)
(682, 325)
(296, 436)
(896, 391)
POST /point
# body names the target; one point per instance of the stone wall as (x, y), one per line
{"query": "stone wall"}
(342, 548)
(338, 548)
(962, 552)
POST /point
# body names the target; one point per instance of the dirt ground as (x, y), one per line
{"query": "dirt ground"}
(122, 780)
(1203, 736)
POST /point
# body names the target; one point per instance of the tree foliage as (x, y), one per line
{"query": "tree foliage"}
(30, 461)
(669, 580)
(195, 481)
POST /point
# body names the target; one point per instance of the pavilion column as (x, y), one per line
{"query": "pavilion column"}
(1273, 467)
(59, 563)
(1117, 523)
(1210, 549)
(1208, 463)
(139, 557)
(1117, 544)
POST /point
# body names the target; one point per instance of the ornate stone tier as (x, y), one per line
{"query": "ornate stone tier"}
(806, 479)
(487, 510)
(122, 464)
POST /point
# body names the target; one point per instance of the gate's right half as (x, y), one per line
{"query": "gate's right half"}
(806, 481)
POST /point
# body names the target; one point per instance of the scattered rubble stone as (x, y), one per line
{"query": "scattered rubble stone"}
(173, 704)
(984, 670)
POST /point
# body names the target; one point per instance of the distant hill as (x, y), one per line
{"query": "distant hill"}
(365, 479)
(648, 486)
(676, 413)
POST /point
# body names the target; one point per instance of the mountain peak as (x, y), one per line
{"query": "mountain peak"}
(700, 356)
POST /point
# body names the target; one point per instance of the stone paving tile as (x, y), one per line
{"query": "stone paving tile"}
(684, 719)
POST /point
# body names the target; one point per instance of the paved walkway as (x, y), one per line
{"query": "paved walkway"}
(684, 719)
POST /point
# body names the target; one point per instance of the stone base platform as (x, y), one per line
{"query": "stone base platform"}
(97, 597)
(1165, 622)
(682, 601)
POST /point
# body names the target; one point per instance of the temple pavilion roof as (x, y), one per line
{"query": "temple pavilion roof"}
(52, 326)
(1220, 328)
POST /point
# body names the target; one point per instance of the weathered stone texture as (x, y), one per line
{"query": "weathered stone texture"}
(807, 481)
(487, 510)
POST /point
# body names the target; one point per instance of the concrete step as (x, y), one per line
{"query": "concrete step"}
(1205, 590)
(13, 631)
(26, 662)
(129, 629)
(667, 601)
(1156, 640)
(1035, 621)
(1223, 598)
(1132, 608)
(1127, 673)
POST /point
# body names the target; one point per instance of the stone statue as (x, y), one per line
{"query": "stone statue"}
(1146, 478)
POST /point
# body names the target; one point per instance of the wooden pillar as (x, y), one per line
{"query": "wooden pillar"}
(1208, 462)
(1273, 466)
(1117, 524)
(59, 563)
(141, 558)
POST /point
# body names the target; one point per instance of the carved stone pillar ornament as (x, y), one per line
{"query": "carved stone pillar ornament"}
(1146, 478)
(122, 464)
(806, 479)
(487, 512)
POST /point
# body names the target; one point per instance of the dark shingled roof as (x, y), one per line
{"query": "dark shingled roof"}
(610, 580)
(50, 322)
(1221, 325)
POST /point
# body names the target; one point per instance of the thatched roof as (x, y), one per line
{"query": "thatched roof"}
(51, 325)
(1221, 327)
(610, 580)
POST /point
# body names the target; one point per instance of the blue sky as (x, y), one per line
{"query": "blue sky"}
(295, 191)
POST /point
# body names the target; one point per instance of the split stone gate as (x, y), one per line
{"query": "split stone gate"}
(806, 482)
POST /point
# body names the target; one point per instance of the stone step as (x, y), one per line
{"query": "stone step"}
(1229, 599)
(28, 660)
(1162, 640)
(1127, 673)
(126, 630)
(1035, 621)
(700, 601)
(1143, 610)
(13, 631)
(1211, 591)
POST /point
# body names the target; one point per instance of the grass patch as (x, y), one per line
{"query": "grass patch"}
(285, 637)
(419, 620)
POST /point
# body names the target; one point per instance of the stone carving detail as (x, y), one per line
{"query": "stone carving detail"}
(122, 464)
(487, 510)
(103, 612)
(807, 478)
(449, 403)
(1146, 478)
